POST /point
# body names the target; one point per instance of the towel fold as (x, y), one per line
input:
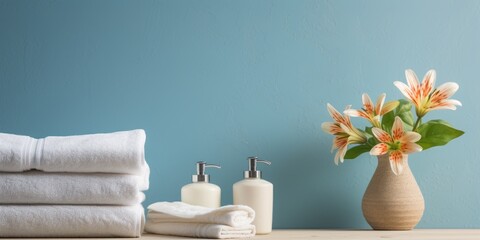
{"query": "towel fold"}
(35, 187)
(181, 219)
(118, 152)
(179, 212)
(71, 221)
(200, 230)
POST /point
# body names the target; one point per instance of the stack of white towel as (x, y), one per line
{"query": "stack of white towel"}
(75, 186)
(181, 219)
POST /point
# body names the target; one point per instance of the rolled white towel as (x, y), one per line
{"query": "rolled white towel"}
(200, 230)
(35, 187)
(118, 152)
(179, 212)
(71, 221)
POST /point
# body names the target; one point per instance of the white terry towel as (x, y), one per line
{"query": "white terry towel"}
(35, 187)
(179, 212)
(71, 221)
(118, 152)
(200, 230)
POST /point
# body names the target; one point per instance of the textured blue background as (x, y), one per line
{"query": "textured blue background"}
(222, 80)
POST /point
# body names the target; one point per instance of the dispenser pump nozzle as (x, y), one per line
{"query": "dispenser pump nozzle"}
(252, 168)
(201, 176)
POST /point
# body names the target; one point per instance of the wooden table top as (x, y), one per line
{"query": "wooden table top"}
(417, 234)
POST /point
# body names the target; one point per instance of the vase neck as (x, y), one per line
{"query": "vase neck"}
(384, 164)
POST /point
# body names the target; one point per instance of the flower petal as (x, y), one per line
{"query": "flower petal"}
(443, 107)
(379, 105)
(410, 147)
(354, 135)
(413, 83)
(379, 149)
(367, 103)
(346, 117)
(397, 161)
(339, 156)
(342, 153)
(410, 137)
(333, 145)
(326, 127)
(331, 128)
(446, 104)
(448, 88)
(355, 113)
(352, 112)
(454, 102)
(389, 106)
(381, 135)
(397, 128)
(442, 93)
(411, 78)
(346, 129)
(335, 114)
(340, 141)
(406, 91)
(428, 82)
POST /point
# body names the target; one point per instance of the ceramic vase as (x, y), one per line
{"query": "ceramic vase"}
(392, 202)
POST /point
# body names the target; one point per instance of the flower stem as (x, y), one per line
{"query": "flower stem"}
(415, 126)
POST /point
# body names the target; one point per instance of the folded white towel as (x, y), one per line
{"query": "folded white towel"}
(118, 152)
(71, 221)
(179, 212)
(200, 230)
(35, 187)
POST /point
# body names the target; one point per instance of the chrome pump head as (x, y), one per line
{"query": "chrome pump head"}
(252, 168)
(201, 176)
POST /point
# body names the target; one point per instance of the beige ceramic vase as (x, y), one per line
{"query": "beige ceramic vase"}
(392, 202)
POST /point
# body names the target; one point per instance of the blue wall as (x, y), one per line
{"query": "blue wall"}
(222, 80)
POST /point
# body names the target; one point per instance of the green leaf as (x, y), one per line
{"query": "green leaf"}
(403, 110)
(437, 133)
(357, 151)
(387, 120)
(372, 141)
(368, 130)
(407, 118)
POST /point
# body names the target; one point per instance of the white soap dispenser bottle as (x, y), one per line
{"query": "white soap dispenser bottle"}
(200, 192)
(256, 193)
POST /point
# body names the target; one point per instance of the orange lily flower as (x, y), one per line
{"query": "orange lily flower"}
(343, 131)
(424, 96)
(397, 145)
(370, 112)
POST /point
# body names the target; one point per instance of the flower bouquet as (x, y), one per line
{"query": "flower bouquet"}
(393, 200)
(394, 131)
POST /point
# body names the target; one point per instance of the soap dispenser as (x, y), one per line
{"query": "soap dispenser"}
(200, 192)
(256, 193)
